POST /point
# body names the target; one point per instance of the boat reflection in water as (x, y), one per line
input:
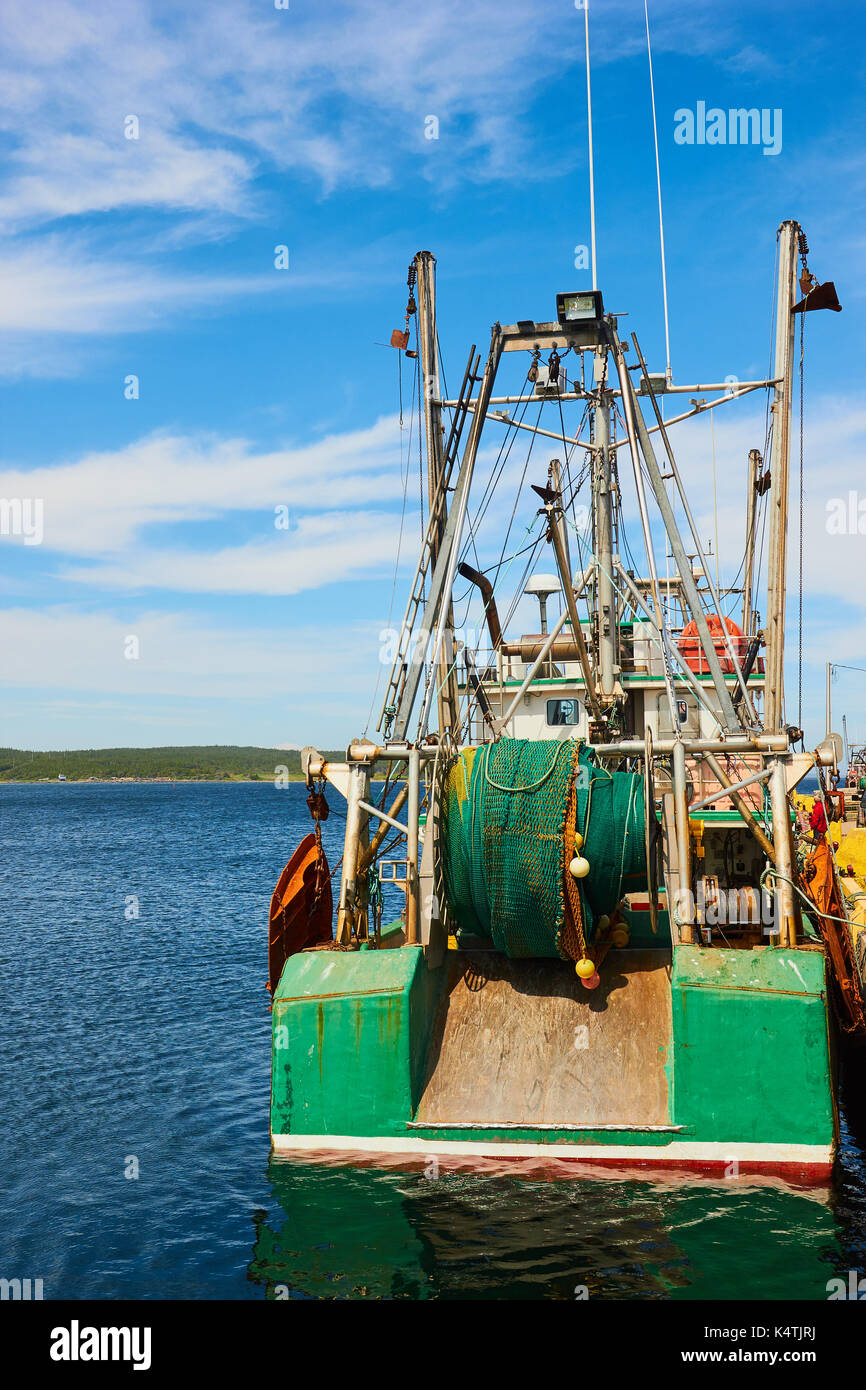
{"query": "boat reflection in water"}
(338, 1231)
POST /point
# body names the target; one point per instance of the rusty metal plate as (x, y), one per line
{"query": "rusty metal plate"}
(521, 1041)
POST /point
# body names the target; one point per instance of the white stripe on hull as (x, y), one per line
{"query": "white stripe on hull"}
(677, 1152)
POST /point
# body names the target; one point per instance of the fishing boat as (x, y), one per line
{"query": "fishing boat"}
(615, 948)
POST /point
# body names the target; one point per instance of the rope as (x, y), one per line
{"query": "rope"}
(770, 872)
(573, 925)
(488, 748)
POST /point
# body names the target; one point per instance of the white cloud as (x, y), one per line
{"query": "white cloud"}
(106, 501)
(336, 95)
(343, 494)
(311, 89)
(100, 504)
(74, 174)
(55, 285)
(327, 549)
(336, 496)
(63, 648)
(835, 446)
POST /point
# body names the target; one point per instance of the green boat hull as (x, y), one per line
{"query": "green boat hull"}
(725, 1066)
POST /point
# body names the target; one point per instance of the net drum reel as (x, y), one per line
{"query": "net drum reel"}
(516, 815)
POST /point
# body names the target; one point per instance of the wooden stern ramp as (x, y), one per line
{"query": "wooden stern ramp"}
(522, 1043)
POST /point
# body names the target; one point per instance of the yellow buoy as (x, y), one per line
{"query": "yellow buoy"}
(619, 936)
(585, 967)
(578, 840)
(579, 867)
(603, 923)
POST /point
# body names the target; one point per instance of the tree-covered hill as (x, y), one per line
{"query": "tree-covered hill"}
(211, 762)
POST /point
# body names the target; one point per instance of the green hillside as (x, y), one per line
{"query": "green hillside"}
(212, 762)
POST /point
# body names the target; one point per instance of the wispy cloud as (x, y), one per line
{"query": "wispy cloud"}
(311, 89)
(53, 285)
(321, 513)
(101, 503)
(66, 649)
(335, 96)
(332, 548)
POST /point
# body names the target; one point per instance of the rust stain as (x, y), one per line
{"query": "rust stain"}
(338, 994)
(746, 989)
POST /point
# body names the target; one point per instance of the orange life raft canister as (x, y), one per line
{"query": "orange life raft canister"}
(693, 653)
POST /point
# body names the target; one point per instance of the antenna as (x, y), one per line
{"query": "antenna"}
(658, 185)
(589, 127)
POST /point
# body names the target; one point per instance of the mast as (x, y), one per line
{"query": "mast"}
(751, 498)
(428, 359)
(557, 535)
(555, 472)
(779, 462)
(436, 612)
(603, 504)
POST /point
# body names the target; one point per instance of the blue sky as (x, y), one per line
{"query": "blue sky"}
(261, 388)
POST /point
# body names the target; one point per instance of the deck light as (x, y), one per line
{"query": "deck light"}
(583, 307)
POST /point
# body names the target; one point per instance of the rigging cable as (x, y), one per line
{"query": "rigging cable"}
(533, 547)
(405, 479)
(574, 493)
(501, 559)
(419, 386)
(589, 129)
(472, 697)
(511, 435)
(659, 186)
(800, 596)
(768, 415)
(715, 498)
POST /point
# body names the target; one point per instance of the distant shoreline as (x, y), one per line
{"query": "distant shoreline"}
(172, 763)
(145, 781)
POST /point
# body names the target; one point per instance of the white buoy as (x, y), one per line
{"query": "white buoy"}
(579, 867)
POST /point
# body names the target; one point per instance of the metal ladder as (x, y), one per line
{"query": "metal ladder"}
(430, 547)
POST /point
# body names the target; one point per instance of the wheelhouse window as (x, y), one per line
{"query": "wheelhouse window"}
(561, 712)
(688, 715)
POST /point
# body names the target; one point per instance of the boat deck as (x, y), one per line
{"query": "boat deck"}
(521, 1042)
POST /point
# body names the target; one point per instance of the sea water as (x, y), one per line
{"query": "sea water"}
(134, 1087)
